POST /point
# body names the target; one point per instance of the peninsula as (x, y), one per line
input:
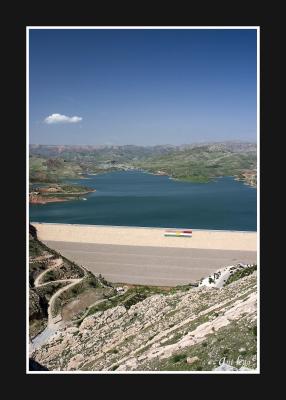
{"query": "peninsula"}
(52, 193)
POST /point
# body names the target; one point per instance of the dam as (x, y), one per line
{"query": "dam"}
(144, 256)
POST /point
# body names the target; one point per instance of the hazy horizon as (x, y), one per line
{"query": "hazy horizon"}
(142, 87)
(147, 145)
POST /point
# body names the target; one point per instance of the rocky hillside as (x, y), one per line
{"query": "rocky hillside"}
(55, 282)
(189, 328)
(52, 170)
(206, 325)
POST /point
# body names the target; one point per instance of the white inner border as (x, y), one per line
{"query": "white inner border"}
(257, 28)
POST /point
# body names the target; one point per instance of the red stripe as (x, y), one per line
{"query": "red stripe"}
(178, 230)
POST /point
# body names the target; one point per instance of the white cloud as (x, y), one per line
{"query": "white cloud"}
(59, 118)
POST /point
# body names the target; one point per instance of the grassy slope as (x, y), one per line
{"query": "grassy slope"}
(200, 164)
(235, 343)
(52, 170)
(134, 295)
(89, 282)
(240, 274)
(40, 296)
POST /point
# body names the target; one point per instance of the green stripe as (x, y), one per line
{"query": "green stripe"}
(179, 235)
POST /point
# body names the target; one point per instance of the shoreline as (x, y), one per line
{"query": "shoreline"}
(208, 180)
(58, 197)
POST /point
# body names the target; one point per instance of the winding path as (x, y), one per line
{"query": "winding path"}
(55, 323)
(72, 282)
(56, 263)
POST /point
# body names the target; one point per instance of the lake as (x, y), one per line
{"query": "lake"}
(135, 198)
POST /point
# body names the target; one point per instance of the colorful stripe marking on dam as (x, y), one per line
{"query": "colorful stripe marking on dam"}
(178, 233)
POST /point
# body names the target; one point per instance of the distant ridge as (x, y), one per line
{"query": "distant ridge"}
(197, 162)
(54, 150)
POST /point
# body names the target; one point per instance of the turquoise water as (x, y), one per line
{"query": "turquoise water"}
(134, 198)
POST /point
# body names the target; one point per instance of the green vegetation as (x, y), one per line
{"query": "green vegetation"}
(128, 299)
(241, 273)
(113, 351)
(57, 190)
(35, 268)
(89, 282)
(183, 288)
(179, 357)
(52, 170)
(36, 326)
(195, 163)
(156, 325)
(66, 271)
(47, 291)
(73, 188)
(235, 343)
(56, 278)
(200, 164)
(35, 249)
(134, 295)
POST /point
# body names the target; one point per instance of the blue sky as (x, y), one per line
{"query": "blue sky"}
(144, 87)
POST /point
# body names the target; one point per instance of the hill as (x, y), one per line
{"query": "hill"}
(54, 282)
(202, 163)
(189, 328)
(194, 162)
(52, 170)
(192, 327)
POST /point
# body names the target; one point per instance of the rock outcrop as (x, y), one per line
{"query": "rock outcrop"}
(164, 331)
(37, 305)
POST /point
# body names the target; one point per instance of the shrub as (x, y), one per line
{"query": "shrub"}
(240, 274)
(179, 357)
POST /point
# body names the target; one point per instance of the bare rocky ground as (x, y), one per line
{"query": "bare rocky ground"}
(196, 328)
